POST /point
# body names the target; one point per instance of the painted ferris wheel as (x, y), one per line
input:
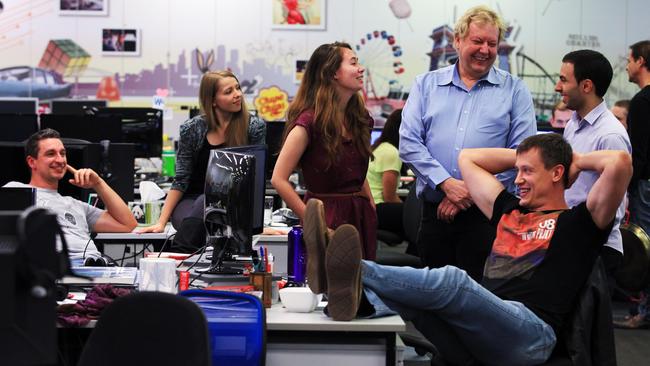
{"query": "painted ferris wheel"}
(379, 53)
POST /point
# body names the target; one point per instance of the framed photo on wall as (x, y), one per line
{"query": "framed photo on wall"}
(298, 14)
(83, 7)
(120, 42)
(299, 71)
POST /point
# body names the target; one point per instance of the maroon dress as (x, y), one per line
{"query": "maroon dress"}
(337, 186)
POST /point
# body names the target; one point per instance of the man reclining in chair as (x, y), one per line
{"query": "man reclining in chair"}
(541, 257)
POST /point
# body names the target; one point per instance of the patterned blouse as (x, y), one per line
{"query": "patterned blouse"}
(192, 135)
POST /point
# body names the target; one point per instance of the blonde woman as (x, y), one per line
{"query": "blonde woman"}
(224, 121)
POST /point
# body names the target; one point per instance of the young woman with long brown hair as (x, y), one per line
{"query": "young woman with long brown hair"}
(328, 136)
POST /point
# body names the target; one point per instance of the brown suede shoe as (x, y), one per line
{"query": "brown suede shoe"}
(316, 238)
(343, 268)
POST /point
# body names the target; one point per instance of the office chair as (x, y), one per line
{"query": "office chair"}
(411, 216)
(237, 325)
(149, 328)
(588, 335)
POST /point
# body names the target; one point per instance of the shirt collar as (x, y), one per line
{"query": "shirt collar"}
(592, 116)
(451, 75)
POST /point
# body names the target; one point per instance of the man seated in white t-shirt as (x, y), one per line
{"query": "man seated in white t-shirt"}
(46, 158)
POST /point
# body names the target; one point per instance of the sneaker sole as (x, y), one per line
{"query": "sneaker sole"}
(315, 236)
(343, 268)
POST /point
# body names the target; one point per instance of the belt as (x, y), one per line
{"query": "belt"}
(337, 195)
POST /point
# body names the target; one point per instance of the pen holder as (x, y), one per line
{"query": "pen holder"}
(261, 281)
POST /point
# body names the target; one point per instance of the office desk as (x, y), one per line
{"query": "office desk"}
(314, 339)
(133, 238)
(300, 339)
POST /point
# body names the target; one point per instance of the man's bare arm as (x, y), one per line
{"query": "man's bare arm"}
(615, 168)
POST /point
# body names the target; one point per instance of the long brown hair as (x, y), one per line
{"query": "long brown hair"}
(237, 132)
(317, 93)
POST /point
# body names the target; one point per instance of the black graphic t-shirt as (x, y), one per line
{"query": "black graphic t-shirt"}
(541, 258)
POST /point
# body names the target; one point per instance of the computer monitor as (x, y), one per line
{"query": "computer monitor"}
(29, 265)
(19, 105)
(140, 126)
(17, 198)
(230, 185)
(374, 135)
(274, 134)
(17, 127)
(77, 107)
(260, 153)
(89, 128)
(14, 167)
(114, 163)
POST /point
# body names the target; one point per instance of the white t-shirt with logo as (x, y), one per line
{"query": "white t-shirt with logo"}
(75, 217)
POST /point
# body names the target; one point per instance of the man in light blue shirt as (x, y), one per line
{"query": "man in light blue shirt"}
(585, 76)
(471, 104)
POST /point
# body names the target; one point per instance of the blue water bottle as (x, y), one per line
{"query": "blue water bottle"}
(297, 256)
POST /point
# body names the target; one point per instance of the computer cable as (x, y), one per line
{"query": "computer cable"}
(162, 249)
(146, 246)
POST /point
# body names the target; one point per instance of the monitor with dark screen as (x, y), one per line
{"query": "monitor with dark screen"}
(19, 105)
(260, 153)
(17, 198)
(17, 127)
(14, 164)
(76, 106)
(89, 128)
(274, 133)
(140, 126)
(230, 191)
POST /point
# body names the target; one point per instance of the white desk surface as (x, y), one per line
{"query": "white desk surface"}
(273, 239)
(278, 318)
(134, 235)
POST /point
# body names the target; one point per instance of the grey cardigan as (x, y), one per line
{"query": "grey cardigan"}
(192, 135)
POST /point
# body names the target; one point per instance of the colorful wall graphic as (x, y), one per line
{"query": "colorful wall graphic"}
(50, 53)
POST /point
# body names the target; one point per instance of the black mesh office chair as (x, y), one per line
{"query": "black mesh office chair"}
(149, 328)
(588, 336)
(411, 217)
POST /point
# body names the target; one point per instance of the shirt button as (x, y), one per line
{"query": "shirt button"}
(461, 129)
(457, 149)
(465, 112)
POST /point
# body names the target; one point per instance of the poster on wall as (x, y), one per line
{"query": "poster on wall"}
(83, 7)
(298, 14)
(301, 65)
(121, 42)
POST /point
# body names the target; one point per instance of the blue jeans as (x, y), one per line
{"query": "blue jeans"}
(492, 330)
(640, 205)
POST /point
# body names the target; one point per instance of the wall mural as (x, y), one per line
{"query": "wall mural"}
(49, 52)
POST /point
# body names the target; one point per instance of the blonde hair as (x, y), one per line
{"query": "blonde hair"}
(479, 14)
(317, 93)
(237, 132)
